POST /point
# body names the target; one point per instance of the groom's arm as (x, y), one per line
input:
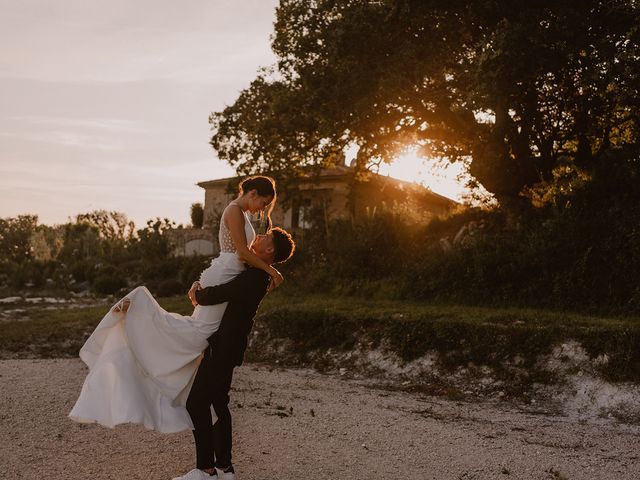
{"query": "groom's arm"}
(235, 290)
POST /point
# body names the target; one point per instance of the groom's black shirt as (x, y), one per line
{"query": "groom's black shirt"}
(244, 294)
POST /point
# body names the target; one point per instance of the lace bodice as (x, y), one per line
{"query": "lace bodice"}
(226, 241)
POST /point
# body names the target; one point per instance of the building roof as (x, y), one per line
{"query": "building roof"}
(337, 171)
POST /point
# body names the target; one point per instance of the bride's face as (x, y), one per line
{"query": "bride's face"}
(257, 202)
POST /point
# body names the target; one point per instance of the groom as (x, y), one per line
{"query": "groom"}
(226, 351)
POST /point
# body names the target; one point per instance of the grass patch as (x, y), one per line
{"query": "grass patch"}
(460, 334)
(45, 333)
(384, 308)
(319, 323)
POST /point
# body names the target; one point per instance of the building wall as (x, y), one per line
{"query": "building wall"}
(192, 241)
(330, 196)
(216, 198)
(333, 195)
(383, 192)
(199, 246)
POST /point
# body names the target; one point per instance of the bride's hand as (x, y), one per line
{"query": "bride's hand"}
(192, 293)
(276, 279)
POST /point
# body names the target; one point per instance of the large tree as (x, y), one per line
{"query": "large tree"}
(15, 233)
(516, 88)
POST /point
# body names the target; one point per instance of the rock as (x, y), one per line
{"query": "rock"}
(54, 300)
(7, 300)
(81, 294)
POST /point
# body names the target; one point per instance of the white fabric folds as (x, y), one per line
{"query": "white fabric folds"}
(142, 363)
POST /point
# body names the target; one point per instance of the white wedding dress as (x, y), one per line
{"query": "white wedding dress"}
(142, 362)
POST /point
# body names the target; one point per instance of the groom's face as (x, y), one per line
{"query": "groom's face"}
(263, 247)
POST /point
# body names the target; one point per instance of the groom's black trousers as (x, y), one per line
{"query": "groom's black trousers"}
(211, 387)
(227, 346)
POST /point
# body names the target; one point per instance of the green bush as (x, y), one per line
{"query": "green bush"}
(581, 254)
(166, 288)
(35, 274)
(83, 270)
(191, 268)
(109, 283)
(172, 276)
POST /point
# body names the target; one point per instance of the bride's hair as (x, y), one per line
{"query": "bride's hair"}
(266, 187)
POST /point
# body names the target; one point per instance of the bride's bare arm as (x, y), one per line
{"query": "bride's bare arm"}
(234, 218)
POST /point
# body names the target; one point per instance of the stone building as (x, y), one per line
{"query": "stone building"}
(335, 193)
(187, 242)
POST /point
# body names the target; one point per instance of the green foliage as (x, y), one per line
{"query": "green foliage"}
(108, 280)
(81, 241)
(314, 326)
(61, 333)
(309, 329)
(83, 270)
(100, 250)
(113, 226)
(581, 256)
(363, 242)
(197, 215)
(172, 276)
(14, 238)
(24, 273)
(518, 88)
(152, 244)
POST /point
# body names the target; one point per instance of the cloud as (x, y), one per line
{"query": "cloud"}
(121, 41)
(104, 104)
(115, 124)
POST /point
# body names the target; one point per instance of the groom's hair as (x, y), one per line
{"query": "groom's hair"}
(283, 245)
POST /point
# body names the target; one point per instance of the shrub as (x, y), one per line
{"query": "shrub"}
(167, 288)
(191, 268)
(109, 280)
(83, 270)
(582, 256)
(108, 284)
(31, 272)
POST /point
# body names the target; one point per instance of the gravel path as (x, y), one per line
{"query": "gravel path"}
(298, 424)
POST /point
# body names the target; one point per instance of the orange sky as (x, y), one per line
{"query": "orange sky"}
(104, 104)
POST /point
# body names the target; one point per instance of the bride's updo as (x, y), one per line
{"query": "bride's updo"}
(265, 187)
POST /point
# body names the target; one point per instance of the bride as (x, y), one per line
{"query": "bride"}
(143, 359)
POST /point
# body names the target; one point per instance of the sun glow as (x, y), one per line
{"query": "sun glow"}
(444, 178)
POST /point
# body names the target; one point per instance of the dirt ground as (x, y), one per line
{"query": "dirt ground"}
(298, 424)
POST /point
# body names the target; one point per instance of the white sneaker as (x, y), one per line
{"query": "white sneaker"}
(222, 475)
(197, 474)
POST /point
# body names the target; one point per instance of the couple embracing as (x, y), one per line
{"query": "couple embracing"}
(167, 371)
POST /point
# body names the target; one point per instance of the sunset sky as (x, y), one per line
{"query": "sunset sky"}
(104, 104)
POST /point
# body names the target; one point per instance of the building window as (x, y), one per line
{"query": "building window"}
(304, 213)
(300, 214)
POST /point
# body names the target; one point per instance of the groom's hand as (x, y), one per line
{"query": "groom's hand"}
(192, 293)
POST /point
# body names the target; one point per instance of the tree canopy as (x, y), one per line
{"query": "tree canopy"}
(521, 90)
(197, 215)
